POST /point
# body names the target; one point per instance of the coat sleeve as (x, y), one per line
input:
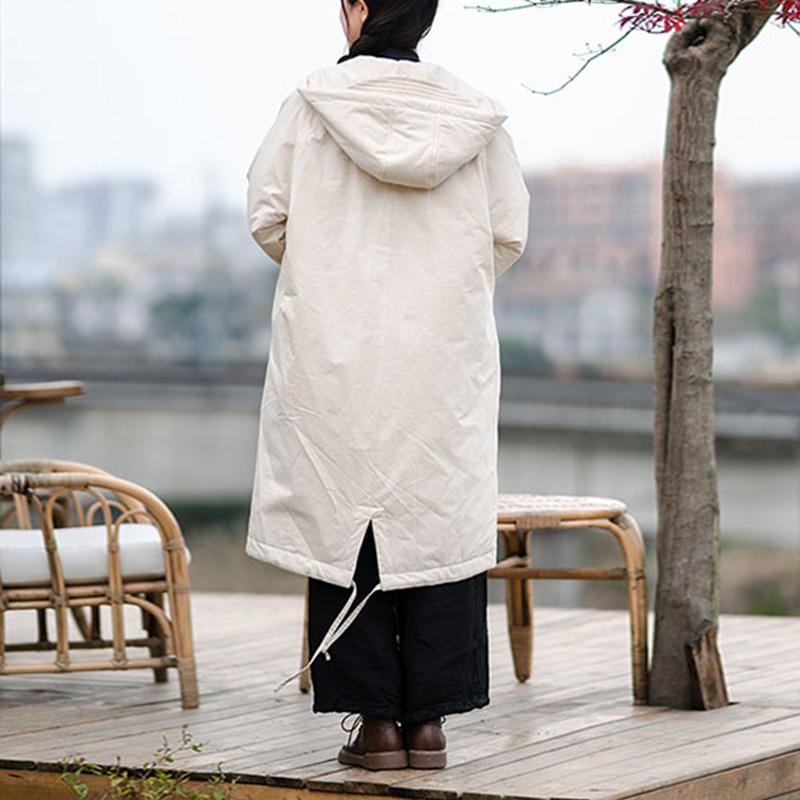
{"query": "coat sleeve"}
(269, 181)
(509, 201)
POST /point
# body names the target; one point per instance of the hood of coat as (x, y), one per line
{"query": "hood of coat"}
(404, 122)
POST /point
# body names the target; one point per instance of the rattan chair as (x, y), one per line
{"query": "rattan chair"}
(75, 537)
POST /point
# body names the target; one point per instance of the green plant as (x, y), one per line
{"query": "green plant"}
(153, 781)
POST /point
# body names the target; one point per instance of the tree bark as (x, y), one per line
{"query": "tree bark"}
(687, 536)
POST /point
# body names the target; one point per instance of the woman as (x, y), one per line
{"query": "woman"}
(391, 198)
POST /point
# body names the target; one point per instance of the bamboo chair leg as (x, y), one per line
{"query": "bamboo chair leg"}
(633, 550)
(153, 629)
(519, 609)
(305, 677)
(184, 649)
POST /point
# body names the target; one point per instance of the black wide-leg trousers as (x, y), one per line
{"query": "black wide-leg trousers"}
(410, 654)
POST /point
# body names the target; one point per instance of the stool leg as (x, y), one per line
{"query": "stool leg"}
(519, 608)
(630, 538)
(305, 677)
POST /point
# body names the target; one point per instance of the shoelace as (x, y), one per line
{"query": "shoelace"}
(359, 720)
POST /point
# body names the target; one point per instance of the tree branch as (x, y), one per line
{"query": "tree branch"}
(588, 61)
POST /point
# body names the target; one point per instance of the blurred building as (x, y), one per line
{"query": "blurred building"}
(83, 216)
(582, 294)
(588, 228)
(19, 197)
(22, 250)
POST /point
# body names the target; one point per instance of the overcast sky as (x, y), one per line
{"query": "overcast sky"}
(183, 91)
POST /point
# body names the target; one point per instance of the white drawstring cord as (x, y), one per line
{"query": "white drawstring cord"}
(346, 624)
(336, 629)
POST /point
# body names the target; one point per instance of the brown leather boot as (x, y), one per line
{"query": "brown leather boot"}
(378, 744)
(426, 743)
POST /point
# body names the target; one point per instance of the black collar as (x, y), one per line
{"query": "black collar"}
(399, 53)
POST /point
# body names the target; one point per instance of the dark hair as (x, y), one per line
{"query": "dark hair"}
(393, 23)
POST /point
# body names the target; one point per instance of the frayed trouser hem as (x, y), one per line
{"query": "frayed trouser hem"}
(393, 712)
(451, 707)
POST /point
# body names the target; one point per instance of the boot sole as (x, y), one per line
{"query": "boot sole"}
(389, 759)
(427, 759)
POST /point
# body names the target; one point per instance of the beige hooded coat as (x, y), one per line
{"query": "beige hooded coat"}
(391, 198)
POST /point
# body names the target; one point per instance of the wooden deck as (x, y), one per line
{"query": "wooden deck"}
(570, 732)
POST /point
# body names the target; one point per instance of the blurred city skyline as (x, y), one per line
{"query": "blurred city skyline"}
(91, 269)
(180, 94)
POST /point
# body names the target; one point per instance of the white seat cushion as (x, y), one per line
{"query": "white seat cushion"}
(83, 552)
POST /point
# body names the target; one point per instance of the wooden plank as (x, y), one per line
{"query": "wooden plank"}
(755, 781)
(165, 714)
(466, 756)
(575, 716)
(479, 718)
(552, 764)
(499, 739)
(511, 750)
(43, 785)
(696, 758)
(676, 751)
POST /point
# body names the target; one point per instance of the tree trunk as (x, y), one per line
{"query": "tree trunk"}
(687, 593)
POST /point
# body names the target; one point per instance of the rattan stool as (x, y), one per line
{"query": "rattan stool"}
(519, 515)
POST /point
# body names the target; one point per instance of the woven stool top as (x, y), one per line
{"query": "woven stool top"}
(546, 509)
